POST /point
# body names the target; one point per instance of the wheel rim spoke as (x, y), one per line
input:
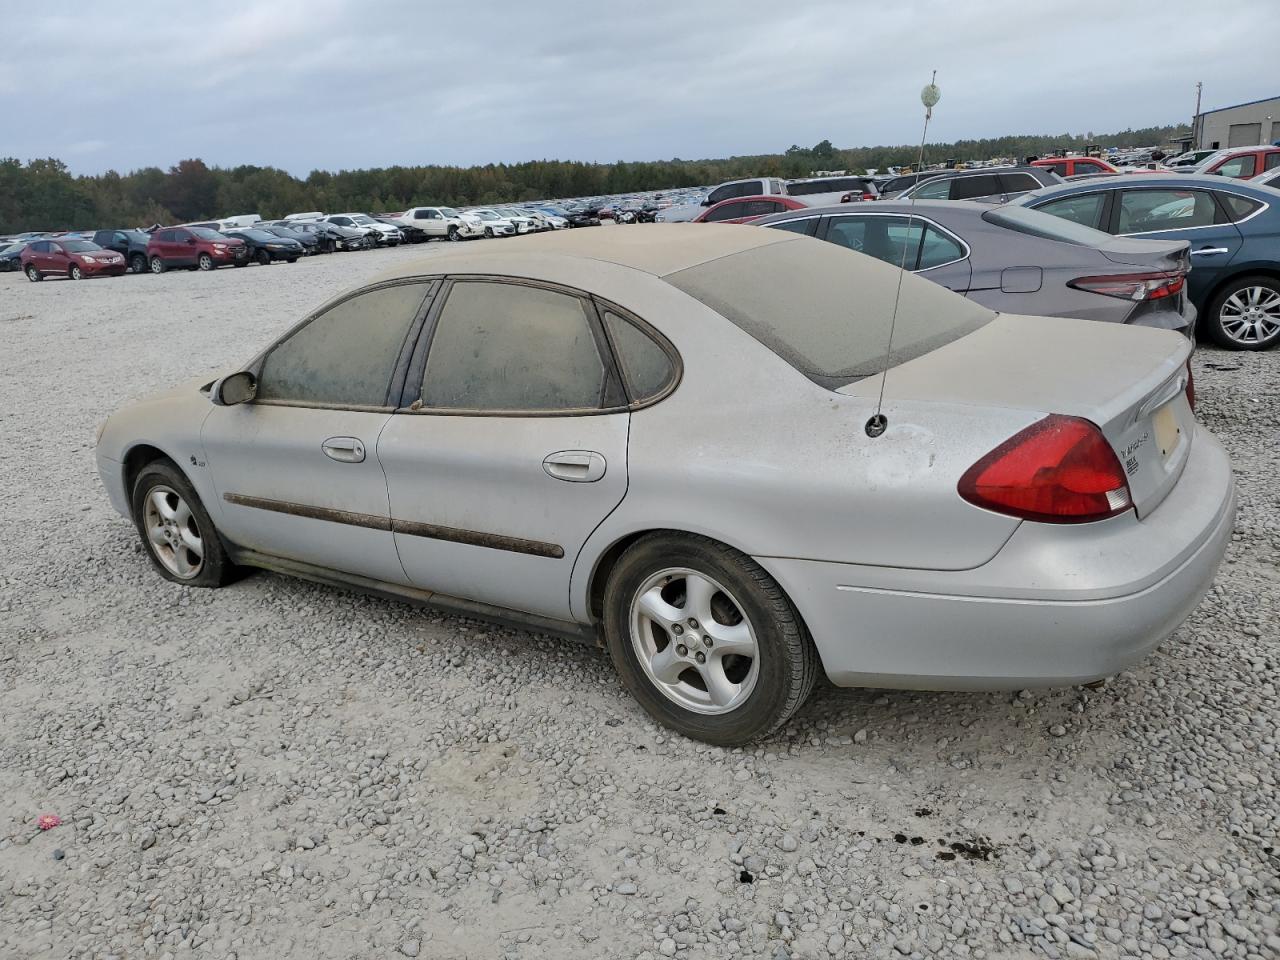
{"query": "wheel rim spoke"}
(192, 542)
(666, 666)
(697, 598)
(736, 639)
(658, 610)
(161, 500)
(720, 688)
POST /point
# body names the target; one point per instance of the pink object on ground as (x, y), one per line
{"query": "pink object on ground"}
(47, 821)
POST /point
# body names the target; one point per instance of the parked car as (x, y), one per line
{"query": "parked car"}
(1000, 184)
(522, 221)
(654, 437)
(11, 256)
(310, 241)
(408, 233)
(892, 187)
(494, 224)
(1241, 162)
(1186, 162)
(70, 257)
(746, 209)
(820, 191)
(130, 244)
(196, 248)
(755, 187)
(1269, 179)
(331, 236)
(443, 223)
(266, 247)
(383, 234)
(581, 217)
(557, 219)
(1014, 259)
(1075, 166)
(1234, 231)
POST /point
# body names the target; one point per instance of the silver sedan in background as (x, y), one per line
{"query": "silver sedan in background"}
(671, 441)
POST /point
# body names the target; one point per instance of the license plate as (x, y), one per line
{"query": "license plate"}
(1167, 430)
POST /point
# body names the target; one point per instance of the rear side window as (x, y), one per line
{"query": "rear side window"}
(761, 208)
(1019, 182)
(1142, 211)
(1059, 168)
(730, 211)
(1240, 207)
(984, 185)
(512, 347)
(646, 367)
(1273, 161)
(827, 312)
(346, 355)
(1084, 209)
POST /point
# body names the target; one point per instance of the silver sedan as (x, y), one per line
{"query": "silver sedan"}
(672, 442)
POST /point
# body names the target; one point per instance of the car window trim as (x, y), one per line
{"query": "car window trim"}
(826, 227)
(422, 350)
(429, 295)
(603, 306)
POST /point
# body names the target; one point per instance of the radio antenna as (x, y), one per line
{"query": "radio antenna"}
(929, 96)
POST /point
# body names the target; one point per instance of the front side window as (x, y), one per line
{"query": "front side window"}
(346, 355)
(1142, 211)
(646, 367)
(517, 348)
(937, 188)
(1084, 209)
(1239, 167)
(728, 211)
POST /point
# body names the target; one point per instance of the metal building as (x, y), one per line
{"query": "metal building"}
(1242, 125)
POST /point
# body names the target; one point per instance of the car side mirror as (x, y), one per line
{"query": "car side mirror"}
(705, 202)
(234, 389)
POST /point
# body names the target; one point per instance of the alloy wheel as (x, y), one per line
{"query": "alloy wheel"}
(76, 273)
(172, 533)
(157, 265)
(693, 641)
(206, 262)
(1251, 315)
(33, 274)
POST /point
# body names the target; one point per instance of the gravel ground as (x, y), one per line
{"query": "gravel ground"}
(279, 769)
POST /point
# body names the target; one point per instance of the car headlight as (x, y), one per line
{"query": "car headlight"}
(219, 246)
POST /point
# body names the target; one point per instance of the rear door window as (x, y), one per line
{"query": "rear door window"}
(647, 368)
(1083, 208)
(729, 211)
(937, 188)
(1144, 211)
(1273, 161)
(983, 185)
(1018, 183)
(1240, 167)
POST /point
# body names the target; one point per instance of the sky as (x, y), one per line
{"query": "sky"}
(338, 84)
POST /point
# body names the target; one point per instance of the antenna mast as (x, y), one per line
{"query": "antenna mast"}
(929, 96)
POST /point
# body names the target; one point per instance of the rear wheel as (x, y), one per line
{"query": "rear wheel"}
(157, 265)
(138, 263)
(1245, 315)
(176, 530)
(706, 640)
(33, 274)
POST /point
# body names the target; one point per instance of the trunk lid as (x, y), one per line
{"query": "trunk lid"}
(1169, 255)
(1130, 381)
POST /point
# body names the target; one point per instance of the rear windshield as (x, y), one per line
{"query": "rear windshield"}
(827, 310)
(1046, 225)
(824, 186)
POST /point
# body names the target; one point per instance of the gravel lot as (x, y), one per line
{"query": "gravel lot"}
(279, 769)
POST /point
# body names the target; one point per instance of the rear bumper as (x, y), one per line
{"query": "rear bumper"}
(1183, 321)
(1058, 605)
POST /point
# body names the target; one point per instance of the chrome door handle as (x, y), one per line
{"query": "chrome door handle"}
(1208, 251)
(576, 466)
(343, 449)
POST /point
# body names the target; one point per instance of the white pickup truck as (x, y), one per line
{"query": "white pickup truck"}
(442, 222)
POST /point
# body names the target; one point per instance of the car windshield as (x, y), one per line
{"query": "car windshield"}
(362, 218)
(487, 215)
(827, 311)
(12, 248)
(204, 233)
(260, 236)
(79, 246)
(449, 212)
(1046, 225)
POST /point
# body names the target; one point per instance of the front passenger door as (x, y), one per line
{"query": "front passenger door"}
(296, 469)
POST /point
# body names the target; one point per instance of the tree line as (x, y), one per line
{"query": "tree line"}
(43, 194)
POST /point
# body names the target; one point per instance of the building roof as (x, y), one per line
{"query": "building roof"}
(1247, 103)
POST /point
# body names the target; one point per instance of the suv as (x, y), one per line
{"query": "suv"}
(70, 257)
(756, 187)
(442, 223)
(1241, 163)
(196, 248)
(130, 244)
(998, 183)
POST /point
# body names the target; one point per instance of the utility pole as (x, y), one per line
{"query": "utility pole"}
(1195, 119)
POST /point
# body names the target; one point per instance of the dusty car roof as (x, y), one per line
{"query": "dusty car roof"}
(658, 249)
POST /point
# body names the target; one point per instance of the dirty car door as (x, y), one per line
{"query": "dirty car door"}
(295, 469)
(511, 448)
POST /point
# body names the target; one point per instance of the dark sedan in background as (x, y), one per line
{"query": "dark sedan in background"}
(997, 183)
(11, 256)
(266, 247)
(310, 242)
(1012, 259)
(1233, 228)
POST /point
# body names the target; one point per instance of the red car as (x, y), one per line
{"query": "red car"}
(746, 209)
(196, 248)
(72, 258)
(1074, 166)
(1241, 163)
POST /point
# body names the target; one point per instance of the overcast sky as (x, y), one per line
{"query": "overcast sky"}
(306, 84)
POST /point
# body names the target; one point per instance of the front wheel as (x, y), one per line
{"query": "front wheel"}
(176, 529)
(34, 275)
(157, 265)
(488, 232)
(453, 234)
(75, 273)
(264, 258)
(205, 262)
(706, 640)
(1245, 315)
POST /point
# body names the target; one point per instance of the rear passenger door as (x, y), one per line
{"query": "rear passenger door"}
(181, 249)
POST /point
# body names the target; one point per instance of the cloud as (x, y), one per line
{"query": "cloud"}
(306, 84)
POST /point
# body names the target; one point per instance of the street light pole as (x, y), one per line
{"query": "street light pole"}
(1195, 119)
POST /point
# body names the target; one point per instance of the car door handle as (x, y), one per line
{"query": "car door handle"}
(1209, 251)
(343, 449)
(576, 466)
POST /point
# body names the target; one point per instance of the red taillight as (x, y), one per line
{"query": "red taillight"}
(868, 195)
(1133, 286)
(1191, 388)
(1059, 470)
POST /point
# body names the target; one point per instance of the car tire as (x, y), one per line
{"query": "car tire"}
(34, 275)
(75, 273)
(291, 260)
(138, 263)
(488, 232)
(453, 234)
(263, 258)
(658, 600)
(177, 533)
(1245, 313)
(204, 262)
(157, 265)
